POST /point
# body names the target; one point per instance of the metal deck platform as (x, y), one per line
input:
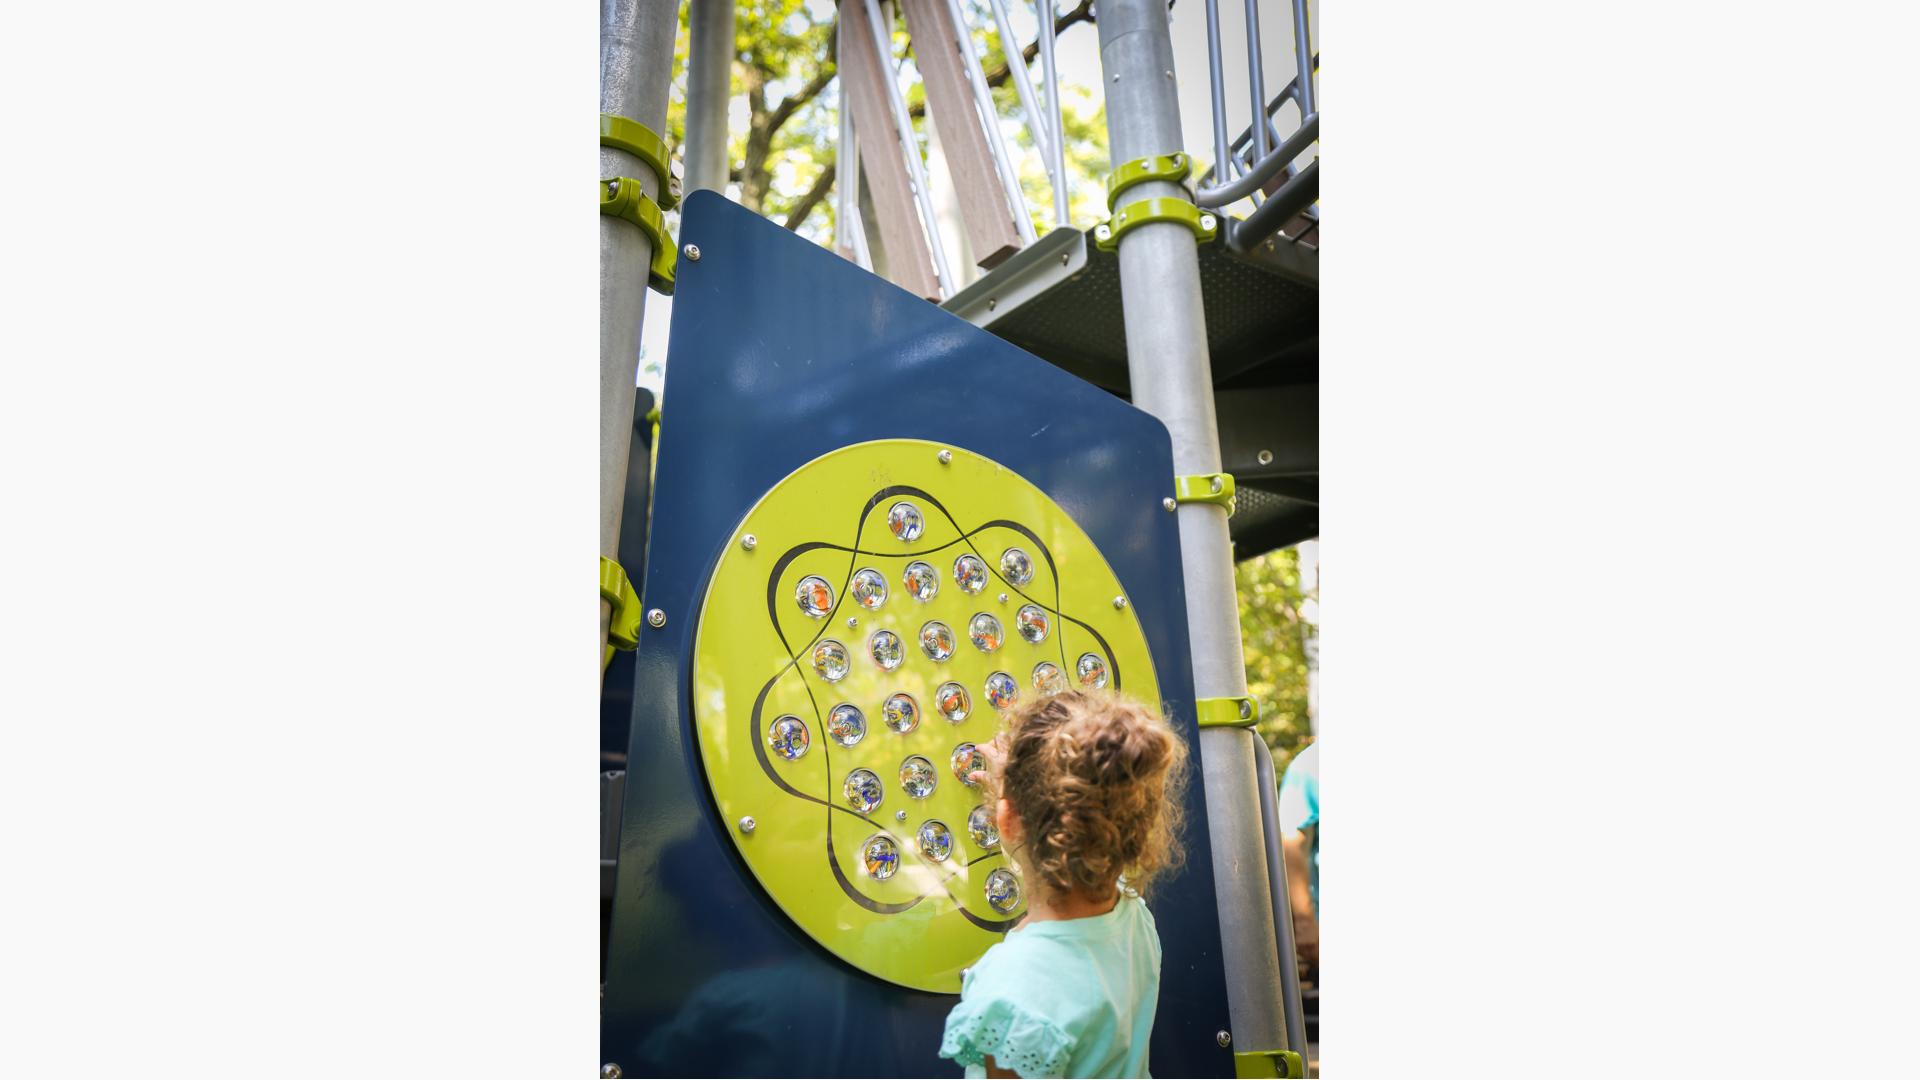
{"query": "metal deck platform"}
(1059, 299)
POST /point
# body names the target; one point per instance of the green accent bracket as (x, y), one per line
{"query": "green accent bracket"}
(623, 629)
(1227, 711)
(639, 140)
(1171, 168)
(1268, 1063)
(623, 197)
(1204, 224)
(1215, 488)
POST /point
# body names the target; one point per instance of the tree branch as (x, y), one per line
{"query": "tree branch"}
(791, 104)
(812, 198)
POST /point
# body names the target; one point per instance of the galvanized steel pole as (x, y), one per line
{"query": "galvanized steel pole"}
(636, 70)
(1171, 376)
(709, 90)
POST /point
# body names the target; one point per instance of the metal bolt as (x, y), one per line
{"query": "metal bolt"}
(1119, 603)
(1217, 484)
(1265, 457)
(992, 303)
(852, 622)
(1206, 222)
(1102, 232)
(1123, 216)
(656, 618)
(1169, 73)
(746, 825)
(945, 456)
(1168, 503)
(1003, 598)
(1224, 1038)
(1063, 260)
(692, 252)
(613, 188)
(748, 541)
(1116, 77)
(899, 815)
(610, 1071)
(1246, 709)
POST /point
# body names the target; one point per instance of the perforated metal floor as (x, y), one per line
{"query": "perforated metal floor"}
(1060, 299)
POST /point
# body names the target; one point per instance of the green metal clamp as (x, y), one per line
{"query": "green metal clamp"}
(623, 628)
(1227, 711)
(1215, 488)
(623, 197)
(1202, 223)
(1171, 168)
(639, 140)
(1268, 1063)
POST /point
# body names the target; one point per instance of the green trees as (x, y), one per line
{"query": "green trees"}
(1278, 643)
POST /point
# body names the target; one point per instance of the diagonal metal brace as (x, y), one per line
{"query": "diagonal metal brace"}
(1215, 488)
(1227, 712)
(623, 197)
(623, 629)
(1172, 168)
(1203, 223)
(639, 140)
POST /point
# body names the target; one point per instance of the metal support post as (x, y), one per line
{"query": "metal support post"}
(1057, 142)
(709, 88)
(636, 70)
(1171, 377)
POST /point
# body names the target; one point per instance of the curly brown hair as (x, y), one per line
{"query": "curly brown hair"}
(1095, 781)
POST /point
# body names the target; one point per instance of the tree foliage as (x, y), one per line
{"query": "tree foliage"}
(1280, 643)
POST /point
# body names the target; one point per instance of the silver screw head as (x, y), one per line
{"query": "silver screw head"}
(610, 1071)
(899, 815)
(747, 824)
(1063, 260)
(1119, 602)
(613, 188)
(656, 618)
(749, 542)
(852, 622)
(1217, 484)
(946, 457)
(692, 252)
(1265, 457)
(1224, 1038)
(1206, 222)
(1168, 503)
(992, 302)
(1246, 708)
(1103, 232)
(1003, 598)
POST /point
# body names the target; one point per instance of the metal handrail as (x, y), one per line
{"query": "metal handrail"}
(1275, 161)
(983, 105)
(1265, 160)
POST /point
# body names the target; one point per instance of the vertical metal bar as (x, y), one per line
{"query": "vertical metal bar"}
(1222, 161)
(1023, 83)
(709, 88)
(1058, 143)
(1302, 59)
(983, 102)
(1257, 82)
(1171, 377)
(1282, 900)
(910, 146)
(846, 173)
(636, 70)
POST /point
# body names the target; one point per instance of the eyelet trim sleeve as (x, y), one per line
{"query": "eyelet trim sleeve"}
(1030, 1045)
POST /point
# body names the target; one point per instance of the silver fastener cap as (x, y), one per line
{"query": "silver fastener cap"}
(656, 618)
(749, 541)
(692, 252)
(746, 825)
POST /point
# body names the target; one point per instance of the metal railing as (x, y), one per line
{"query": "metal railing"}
(1258, 165)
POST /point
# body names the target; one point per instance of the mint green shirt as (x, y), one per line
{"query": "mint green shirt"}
(1070, 997)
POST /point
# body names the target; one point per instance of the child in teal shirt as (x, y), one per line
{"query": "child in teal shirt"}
(1085, 793)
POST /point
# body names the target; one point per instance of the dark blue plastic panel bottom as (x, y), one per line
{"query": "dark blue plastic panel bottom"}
(774, 339)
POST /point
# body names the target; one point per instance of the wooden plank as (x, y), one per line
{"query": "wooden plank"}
(983, 198)
(909, 260)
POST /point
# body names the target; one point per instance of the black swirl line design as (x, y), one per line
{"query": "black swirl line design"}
(854, 552)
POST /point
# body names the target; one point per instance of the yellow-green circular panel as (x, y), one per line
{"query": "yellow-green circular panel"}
(767, 681)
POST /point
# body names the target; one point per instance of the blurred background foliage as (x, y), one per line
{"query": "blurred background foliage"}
(784, 124)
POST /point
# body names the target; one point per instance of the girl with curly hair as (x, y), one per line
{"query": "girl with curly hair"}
(1085, 790)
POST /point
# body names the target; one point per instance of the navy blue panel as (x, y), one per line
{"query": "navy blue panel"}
(772, 337)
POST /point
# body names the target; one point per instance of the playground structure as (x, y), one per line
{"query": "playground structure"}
(786, 895)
